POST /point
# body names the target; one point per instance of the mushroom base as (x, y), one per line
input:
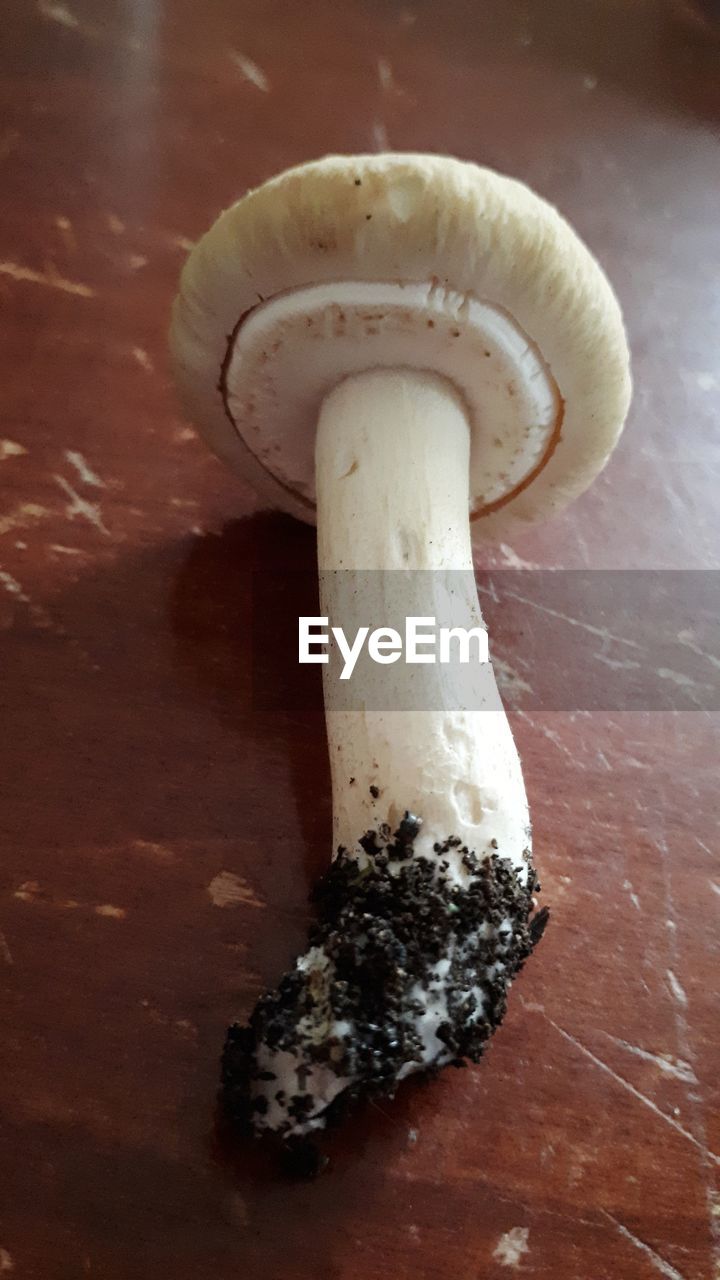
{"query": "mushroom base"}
(406, 971)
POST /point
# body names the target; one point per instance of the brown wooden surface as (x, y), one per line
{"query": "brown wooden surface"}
(136, 768)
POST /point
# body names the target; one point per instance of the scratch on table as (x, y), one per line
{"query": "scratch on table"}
(58, 13)
(50, 278)
(77, 506)
(511, 1247)
(532, 1006)
(602, 632)
(489, 590)
(633, 896)
(142, 358)
(186, 1028)
(6, 1262)
(640, 1097)
(552, 736)
(32, 892)
(13, 588)
(39, 615)
(229, 890)
(85, 472)
(250, 71)
(67, 234)
(680, 1004)
(512, 560)
(676, 988)
(654, 1258)
(617, 664)
(577, 1169)
(153, 849)
(670, 1066)
(64, 17)
(687, 639)
(681, 679)
(115, 224)
(582, 546)
(27, 891)
(22, 516)
(510, 682)
(380, 138)
(181, 242)
(385, 74)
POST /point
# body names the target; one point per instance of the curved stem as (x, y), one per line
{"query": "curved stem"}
(392, 469)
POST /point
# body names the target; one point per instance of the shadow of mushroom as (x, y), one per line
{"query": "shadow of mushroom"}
(234, 615)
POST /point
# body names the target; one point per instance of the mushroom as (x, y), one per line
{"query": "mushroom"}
(407, 350)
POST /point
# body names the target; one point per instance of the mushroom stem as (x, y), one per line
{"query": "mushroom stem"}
(392, 474)
(424, 915)
(392, 458)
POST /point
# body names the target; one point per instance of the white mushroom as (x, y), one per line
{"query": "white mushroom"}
(402, 348)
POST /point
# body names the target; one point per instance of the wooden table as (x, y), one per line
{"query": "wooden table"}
(161, 825)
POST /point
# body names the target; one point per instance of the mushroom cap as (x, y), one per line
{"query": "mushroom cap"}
(485, 244)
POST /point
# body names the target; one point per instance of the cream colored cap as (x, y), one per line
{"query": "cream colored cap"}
(355, 262)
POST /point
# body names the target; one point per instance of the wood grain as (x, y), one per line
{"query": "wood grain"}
(162, 819)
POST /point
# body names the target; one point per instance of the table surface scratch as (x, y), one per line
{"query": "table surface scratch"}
(160, 826)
